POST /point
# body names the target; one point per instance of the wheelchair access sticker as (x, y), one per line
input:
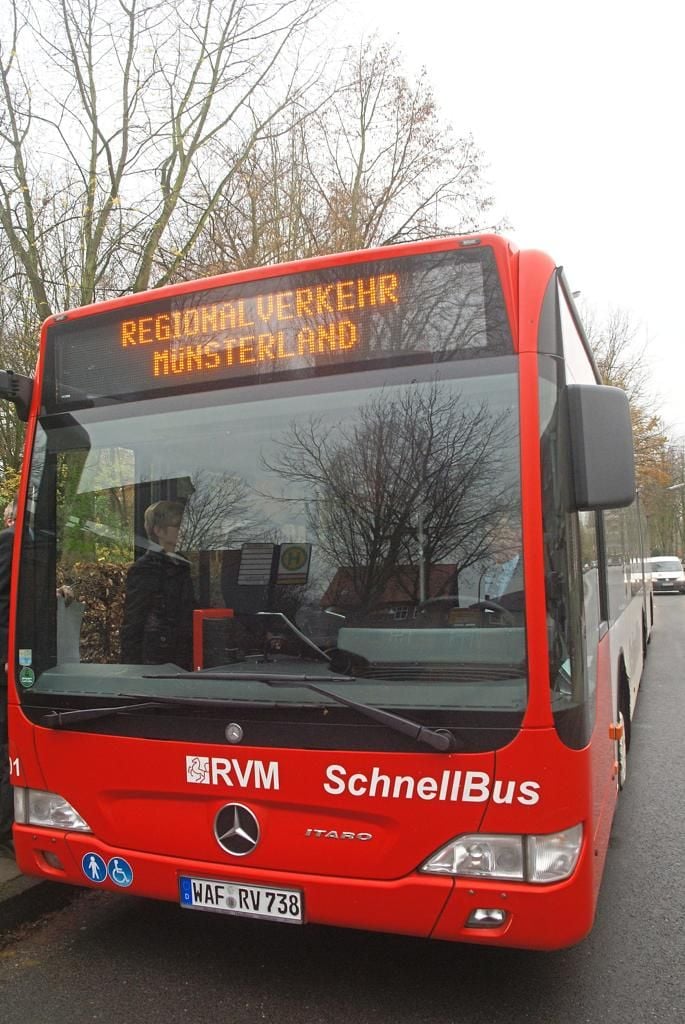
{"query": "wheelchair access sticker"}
(117, 870)
(120, 871)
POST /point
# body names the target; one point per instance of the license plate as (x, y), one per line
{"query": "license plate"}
(244, 900)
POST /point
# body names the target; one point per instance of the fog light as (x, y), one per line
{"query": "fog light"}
(486, 918)
(52, 860)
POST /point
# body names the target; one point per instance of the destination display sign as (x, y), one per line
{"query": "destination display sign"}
(267, 329)
(431, 305)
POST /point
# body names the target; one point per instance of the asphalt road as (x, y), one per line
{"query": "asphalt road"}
(112, 958)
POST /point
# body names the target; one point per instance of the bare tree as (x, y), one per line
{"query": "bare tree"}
(419, 478)
(622, 357)
(368, 162)
(218, 511)
(17, 350)
(619, 351)
(622, 360)
(123, 107)
(386, 167)
(150, 141)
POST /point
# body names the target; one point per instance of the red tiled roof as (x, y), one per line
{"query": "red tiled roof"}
(403, 587)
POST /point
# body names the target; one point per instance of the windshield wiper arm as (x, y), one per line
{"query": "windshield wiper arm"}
(438, 739)
(56, 719)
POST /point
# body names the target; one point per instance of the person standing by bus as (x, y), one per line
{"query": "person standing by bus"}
(6, 797)
(158, 610)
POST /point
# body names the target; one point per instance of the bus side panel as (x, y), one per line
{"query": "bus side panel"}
(603, 765)
(561, 798)
(623, 644)
(631, 647)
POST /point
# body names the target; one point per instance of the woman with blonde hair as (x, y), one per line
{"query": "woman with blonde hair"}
(158, 610)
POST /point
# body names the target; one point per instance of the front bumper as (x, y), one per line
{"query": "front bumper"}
(426, 906)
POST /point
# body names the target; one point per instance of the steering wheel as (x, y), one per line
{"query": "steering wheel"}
(488, 605)
(467, 601)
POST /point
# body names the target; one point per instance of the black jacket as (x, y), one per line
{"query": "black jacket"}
(158, 612)
(6, 544)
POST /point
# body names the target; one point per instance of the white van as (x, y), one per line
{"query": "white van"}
(667, 574)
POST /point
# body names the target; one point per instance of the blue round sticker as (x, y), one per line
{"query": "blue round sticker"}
(120, 871)
(94, 867)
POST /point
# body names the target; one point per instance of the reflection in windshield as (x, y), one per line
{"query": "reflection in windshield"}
(366, 530)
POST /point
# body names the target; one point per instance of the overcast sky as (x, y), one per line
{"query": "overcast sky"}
(579, 109)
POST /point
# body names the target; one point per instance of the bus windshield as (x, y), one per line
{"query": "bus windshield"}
(369, 529)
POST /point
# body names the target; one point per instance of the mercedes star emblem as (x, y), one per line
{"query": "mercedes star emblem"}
(236, 829)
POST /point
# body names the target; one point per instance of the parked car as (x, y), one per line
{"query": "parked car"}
(667, 572)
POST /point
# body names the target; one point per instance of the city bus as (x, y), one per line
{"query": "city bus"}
(328, 599)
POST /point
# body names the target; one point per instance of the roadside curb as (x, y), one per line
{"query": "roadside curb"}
(24, 899)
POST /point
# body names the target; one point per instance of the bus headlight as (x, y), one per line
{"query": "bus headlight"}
(479, 856)
(48, 810)
(553, 858)
(540, 859)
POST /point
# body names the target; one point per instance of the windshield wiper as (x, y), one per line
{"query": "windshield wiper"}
(438, 739)
(56, 719)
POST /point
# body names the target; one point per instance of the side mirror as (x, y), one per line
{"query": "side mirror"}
(18, 389)
(601, 447)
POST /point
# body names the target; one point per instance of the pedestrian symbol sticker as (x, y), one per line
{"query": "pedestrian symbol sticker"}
(94, 867)
(120, 871)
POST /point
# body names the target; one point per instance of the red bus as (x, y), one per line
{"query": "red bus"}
(359, 612)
